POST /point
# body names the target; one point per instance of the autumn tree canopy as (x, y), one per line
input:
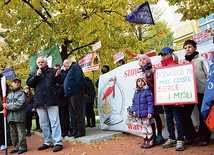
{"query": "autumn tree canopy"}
(34, 25)
(193, 9)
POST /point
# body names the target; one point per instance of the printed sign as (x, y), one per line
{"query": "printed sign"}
(118, 56)
(90, 61)
(204, 36)
(175, 84)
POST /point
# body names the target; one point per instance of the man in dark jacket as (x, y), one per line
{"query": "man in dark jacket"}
(74, 89)
(44, 82)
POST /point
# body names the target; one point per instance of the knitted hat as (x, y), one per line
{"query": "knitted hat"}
(26, 87)
(140, 56)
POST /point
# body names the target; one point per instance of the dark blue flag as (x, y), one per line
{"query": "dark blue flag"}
(141, 15)
(209, 93)
(9, 73)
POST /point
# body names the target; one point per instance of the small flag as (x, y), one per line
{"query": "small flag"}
(141, 15)
(9, 73)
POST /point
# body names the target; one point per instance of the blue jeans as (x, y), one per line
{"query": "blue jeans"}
(49, 121)
(171, 112)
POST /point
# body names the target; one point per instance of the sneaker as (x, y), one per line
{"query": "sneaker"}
(2, 147)
(159, 140)
(180, 146)
(57, 148)
(43, 147)
(169, 143)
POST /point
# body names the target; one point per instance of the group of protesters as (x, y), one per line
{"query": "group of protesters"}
(55, 91)
(60, 98)
(148, 115)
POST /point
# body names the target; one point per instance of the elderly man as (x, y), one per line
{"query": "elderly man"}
(44, 82)
(74, 86)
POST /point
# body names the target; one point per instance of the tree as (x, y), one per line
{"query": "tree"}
(34, 25)
(193, 9)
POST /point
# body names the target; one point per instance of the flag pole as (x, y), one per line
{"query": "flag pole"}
(3, 85)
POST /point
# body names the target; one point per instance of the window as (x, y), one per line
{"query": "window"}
(205, 23)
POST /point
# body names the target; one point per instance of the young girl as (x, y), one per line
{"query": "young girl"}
(172, 111)
(143, 109)
(147, 71)
(16, 116)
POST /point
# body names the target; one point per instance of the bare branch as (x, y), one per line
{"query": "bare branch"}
(39, 13)
(82, 47)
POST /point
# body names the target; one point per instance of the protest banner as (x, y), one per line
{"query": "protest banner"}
(90, 61)
(175, 85)
(118, 56)
(116, 90)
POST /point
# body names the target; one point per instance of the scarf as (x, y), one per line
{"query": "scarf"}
(190, 57)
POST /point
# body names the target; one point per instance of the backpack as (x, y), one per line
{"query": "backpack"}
(210, 119)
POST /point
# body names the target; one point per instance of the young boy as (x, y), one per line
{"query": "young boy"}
(16, 116)
(201, 69)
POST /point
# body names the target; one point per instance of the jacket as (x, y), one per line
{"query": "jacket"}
(201, 70)
(91, 92)
(45, 88)
(17, 101)
(143, 103)
(74, 81)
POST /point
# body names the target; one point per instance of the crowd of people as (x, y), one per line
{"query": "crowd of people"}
(143, 103)
(63, 97)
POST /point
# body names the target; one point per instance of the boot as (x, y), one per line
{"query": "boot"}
(143, 145)
(149, 142)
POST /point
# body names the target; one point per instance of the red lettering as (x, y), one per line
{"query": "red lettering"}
(134, 127)
(131, 72)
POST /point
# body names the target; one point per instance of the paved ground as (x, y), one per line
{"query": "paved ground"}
(97, 142)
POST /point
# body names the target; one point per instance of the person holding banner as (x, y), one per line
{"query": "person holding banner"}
(172, 111)
(143, 109)
(16, 107)
(201, 69)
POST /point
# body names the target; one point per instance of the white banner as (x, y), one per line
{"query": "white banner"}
(116, 90)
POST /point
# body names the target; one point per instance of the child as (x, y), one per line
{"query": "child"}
(16, 116)
(147, 70)
(30, 110)
(172, 110)
(201, 70)
(143, 109)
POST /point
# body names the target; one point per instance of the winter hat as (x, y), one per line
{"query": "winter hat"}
(144, 80)
(26, 87)
(140, 56)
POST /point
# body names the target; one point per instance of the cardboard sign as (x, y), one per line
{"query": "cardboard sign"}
(175, 85)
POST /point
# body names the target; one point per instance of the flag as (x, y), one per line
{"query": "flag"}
(9, 73)
(141, 15)
(208, 93)
(52, 55)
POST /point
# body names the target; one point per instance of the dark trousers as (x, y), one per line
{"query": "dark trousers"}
(29, 121)
(77, 113)
(189, 129)
(64, 119)
(17, 131)
(204, 132)
(37, 120)
(2, 130)
(90, 116)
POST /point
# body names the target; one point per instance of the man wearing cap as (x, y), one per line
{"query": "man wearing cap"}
(44, 82)
(16, 107)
